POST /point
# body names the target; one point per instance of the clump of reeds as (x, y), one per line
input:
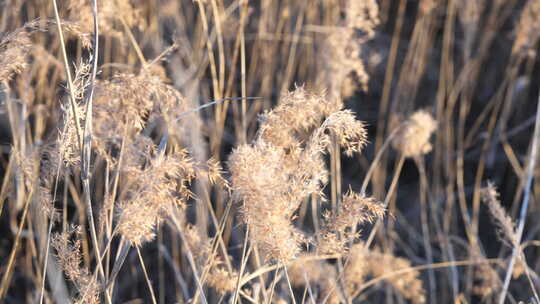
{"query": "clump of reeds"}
(284, 166)
(137, 173)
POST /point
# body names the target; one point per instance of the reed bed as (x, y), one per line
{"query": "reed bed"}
(236, 151)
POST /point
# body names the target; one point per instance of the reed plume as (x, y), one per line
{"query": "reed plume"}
(14, 50)
(69, 257)
(279, 170)
(153, 190)
(364, 263)
(413, 137)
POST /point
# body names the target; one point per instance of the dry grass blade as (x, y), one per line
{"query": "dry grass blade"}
(118, 117)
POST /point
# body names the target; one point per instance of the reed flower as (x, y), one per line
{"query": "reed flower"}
(528, 27)
(342, 69)
(69, 257)
(152, 191)
(134, 100)
(364, 263)
(14, 49)
(339, 226)
(111, 14)
(505, 225)
(413, 137)
(279, 170)
(262, 179)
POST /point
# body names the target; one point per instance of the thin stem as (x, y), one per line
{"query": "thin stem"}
(391, 190)
(273, 286)
(71, 87)
(133, 41)
(289, 283)
(87, 149)
(190, 258)
(51, 222)
(206, 105)
(45, 261)
(243, 75)
(7, 274)
(377, 159)
(243, 263)
(119, 261)
(216, 242)
(4, 190)
(424, 219)
(146, 276)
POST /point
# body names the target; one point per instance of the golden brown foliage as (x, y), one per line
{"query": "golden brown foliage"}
(148, 163)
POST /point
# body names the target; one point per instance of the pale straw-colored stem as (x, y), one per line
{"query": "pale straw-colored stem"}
(148, 282)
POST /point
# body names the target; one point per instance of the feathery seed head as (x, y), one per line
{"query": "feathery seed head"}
(151, 193)
(505, 224)
(364, 262)
(14, 49)
(69, 257)
(528, 28)
(278, 171)
(111, 14)
(413, 138)
(363, 16)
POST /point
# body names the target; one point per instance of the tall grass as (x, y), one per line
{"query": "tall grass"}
(337, 151)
